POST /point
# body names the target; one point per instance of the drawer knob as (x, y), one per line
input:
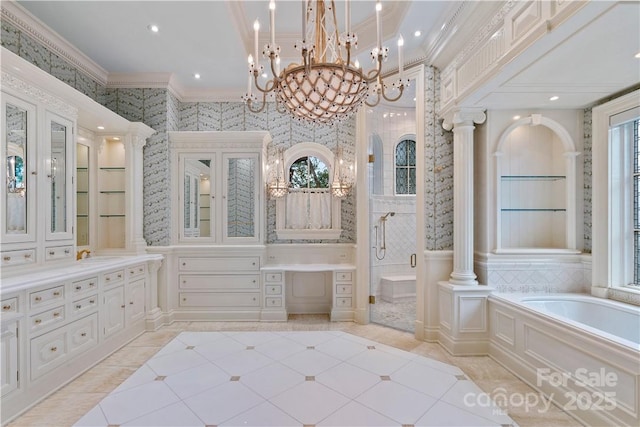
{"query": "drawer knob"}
(92, 301)
(141, 270)
(27, 256)
(56, 314)
(7, 258)
(119, 276)
(66, 251)
(253, 281)
(6, 307)
(273, 289)
(122, 306)
(107, 278)
(130, 302)
(84, 334)
(38, 321)
(253, 263)
(54, 349)
(91, 284)
(52, 253)
(38, 298)
(78, 306)
(56, 294)
(184, 263)
(78, 288)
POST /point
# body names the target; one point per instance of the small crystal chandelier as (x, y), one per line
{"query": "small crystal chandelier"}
(277, 186)
(326, 86)
(342, 182)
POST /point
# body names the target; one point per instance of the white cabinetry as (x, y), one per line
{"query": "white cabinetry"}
(59, 323)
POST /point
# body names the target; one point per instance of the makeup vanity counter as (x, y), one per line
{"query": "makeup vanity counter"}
(308, 288)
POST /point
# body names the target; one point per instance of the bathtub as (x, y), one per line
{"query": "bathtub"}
(580, 351)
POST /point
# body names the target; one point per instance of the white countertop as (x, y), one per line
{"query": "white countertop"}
(307, 267)
(71, 271)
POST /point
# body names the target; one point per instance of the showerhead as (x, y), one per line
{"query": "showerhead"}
(384, 217)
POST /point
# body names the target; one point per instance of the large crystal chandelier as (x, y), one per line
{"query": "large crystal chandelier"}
(326, 86)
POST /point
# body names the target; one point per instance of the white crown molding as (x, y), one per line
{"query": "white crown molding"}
(54, 103)
(30, 25)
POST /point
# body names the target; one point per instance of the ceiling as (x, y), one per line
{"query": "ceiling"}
(586, 59)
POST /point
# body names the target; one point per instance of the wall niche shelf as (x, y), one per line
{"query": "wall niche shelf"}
(535, 188)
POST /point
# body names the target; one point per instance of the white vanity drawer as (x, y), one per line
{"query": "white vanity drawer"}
(343, 302)
(273, 302)
(10, 305)
(219, 281)
(25, 256)
(58, 252)
(343, 276)
(46, 296)
(48, 351)
(220, 264)
(85, 285)
(343, 289)
(136, 270)
(84, 305)
(42, 320)
(113, 277)
(83, 333)
(273, 277)
(273, 289)
(219, 299)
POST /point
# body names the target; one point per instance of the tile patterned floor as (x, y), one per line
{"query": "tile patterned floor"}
(241, 374)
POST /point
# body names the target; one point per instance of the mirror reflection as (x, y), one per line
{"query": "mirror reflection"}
(241, 197)
(57, 177)
(16, 202)
(197, 198)
(82, 195)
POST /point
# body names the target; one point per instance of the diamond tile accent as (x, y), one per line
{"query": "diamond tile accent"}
(235, 378)
(160, 377)
(191, 347)
(385, 377)
(310, 378)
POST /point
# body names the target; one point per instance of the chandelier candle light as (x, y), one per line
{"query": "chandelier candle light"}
(327, 86)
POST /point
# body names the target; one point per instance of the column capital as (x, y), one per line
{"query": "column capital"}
(463, 117)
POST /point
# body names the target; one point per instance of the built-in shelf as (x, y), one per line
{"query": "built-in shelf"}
(112, 192)
(112, 168)
(111, 216)
(82, 216)
(82, 192)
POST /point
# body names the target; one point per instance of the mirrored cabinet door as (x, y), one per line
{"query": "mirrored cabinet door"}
(197, 184)
(18, 171)
(240, 198)
(59, 169)
(82, 195)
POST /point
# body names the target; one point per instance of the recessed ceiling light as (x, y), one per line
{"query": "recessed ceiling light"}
(196, 75)
(100, 127)
(414, 99)
(116, 138)
(153, 28)
(554, 98)
(638, 55)
(516, 117)
(418, 33)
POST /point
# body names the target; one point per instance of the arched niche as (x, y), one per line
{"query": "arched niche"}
(535, 187)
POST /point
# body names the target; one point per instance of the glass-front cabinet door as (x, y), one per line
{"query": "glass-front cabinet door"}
(59, 167)
(197, 197)
(240, 198)
(18, 170)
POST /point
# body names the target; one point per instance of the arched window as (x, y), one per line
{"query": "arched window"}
(405, 166)
(308, 211)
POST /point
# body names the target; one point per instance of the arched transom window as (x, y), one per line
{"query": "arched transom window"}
(405, 166)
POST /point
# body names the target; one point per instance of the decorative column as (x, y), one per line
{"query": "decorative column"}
(462, 122)
(134, 144)
(463, 305)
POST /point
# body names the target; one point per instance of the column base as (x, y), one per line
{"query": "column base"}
(463, 279)
(464, 319)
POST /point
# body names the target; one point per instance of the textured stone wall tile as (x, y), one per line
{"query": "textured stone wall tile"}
(154, 111)
(189, 116)
(157, 191)
(232, 116)
(110, 99)
(130, 104)
(62, 70)
(279, 126)
(35, 53)
(10, 37)
(588, 179)
(86, 85)
(209, 116)
(256, 121)
(173, 112)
